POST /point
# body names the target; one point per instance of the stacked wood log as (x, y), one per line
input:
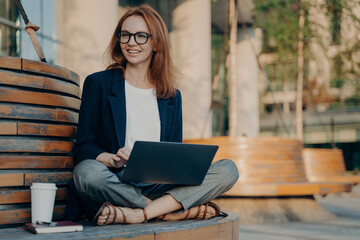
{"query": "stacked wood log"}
(39, 106)
(327, 165)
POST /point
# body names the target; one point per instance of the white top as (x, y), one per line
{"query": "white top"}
(142, 115)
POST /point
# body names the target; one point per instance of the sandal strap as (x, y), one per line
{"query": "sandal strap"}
(115, 213)
(109, 206)
(123, 214)
(111, 210)
(205, 211)
(187, 214)
(216, 207)
(145, 215)
(198, 211)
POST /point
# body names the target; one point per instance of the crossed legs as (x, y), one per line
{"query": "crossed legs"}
(164, 206)
(104, 186)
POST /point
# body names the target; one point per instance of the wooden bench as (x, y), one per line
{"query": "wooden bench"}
(39, 106)
(220, 228)
(272, 180)
(268, 166)
(326, 165)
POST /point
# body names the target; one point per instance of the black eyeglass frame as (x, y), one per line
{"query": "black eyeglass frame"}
(134, 35)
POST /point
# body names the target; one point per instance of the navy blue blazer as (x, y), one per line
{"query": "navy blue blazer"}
(102, 118)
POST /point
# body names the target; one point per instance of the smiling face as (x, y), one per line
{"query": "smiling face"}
(134, 53)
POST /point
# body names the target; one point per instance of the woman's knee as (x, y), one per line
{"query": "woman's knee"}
(228, 171)
(88, 174)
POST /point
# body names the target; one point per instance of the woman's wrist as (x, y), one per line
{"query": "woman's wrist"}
(105, 158)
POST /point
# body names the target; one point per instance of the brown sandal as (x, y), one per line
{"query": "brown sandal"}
(211, 204)
(112, 208)
(207, 205)
(216, 207)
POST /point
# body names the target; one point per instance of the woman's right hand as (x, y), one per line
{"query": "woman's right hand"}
(108, 159)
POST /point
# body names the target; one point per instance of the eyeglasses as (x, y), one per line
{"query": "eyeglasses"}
(140, 37)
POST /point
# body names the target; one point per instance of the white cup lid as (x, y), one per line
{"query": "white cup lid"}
(43, 186)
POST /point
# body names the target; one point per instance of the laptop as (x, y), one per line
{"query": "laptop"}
(169, 163)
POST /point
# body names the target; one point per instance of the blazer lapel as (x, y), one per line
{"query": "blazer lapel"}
(166, 113)
(118, 106)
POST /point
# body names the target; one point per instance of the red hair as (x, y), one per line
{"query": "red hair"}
(161, 70)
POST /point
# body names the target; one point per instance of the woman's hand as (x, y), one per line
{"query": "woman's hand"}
(114, 160)
(108, 159)
(123, 154)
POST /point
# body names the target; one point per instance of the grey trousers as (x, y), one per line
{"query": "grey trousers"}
(96, 184)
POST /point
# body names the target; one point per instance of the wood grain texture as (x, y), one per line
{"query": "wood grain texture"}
(21, 161)
(139, 237)
(269, 166)
(18, 111)
(38, 98)
(50, 70)
(248, 142)
(59, 178)
(286, 189)
(16, 145)
(326, 165)
(10, 63)
(235, 228)
(8, 128)
(13, 196)
(37, 129)
(353, 179)
(11, 179)
(219, 232)
(39, 67)
(24, 215)
(261, 160)
(16, 79)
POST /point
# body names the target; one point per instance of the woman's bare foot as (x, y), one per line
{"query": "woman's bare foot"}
(128, 214)
(193, 214)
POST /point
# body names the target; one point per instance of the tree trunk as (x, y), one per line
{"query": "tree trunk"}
(300, 78)
(232, 85)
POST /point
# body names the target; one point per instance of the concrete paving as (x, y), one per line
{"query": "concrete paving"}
(346, 226)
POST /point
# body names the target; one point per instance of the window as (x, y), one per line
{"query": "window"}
(14, 40)
(9, 29)
(41, 13)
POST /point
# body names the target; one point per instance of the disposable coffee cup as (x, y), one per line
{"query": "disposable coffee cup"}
(42, 201)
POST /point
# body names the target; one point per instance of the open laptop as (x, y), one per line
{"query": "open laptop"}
(169, 163)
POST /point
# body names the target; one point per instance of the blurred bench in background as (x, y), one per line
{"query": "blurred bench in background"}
(270, 168)
(326, 165)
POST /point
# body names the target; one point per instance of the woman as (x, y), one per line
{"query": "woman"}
(135, 99)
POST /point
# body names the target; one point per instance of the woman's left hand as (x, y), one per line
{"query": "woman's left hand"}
(124, 154)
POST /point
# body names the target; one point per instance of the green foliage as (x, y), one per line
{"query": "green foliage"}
(279, 21)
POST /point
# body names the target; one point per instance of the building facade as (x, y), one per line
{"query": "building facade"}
(331, 102)
(76, 33)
